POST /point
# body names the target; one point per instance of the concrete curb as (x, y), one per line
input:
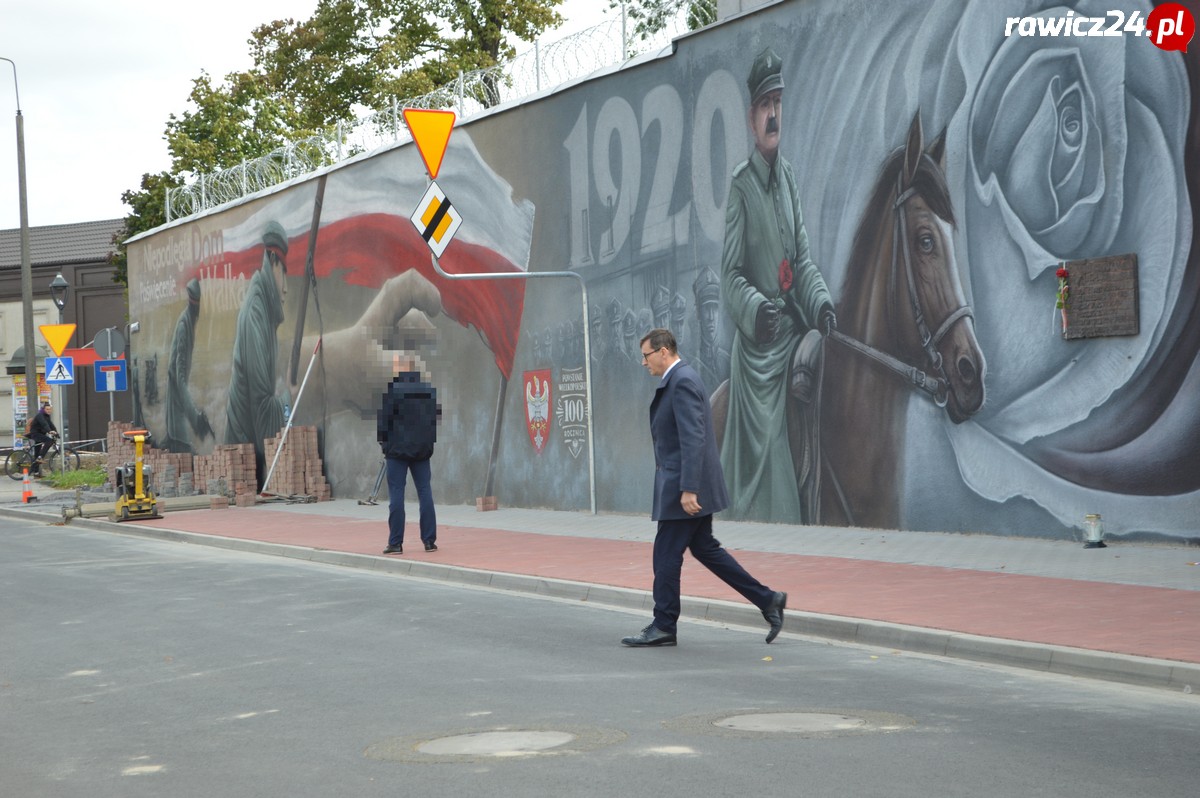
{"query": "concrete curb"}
(48, 513)
(1107, 666)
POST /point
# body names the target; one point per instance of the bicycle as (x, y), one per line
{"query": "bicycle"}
(20, 459)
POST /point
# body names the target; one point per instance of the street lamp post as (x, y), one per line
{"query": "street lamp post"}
(58, 292)
(31, 383)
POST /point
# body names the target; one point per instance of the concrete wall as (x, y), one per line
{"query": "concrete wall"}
(1022, 152)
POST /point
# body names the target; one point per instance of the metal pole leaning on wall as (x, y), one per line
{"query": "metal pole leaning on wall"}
(287, 422)
(587, 351)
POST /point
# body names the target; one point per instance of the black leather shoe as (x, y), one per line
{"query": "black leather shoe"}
(650, 636)
(393, 550)
(430, 547)
(774, 615)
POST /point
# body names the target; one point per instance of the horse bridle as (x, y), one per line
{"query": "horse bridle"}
(938, 385)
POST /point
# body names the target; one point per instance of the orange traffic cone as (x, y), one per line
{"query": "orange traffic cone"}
(27, 488)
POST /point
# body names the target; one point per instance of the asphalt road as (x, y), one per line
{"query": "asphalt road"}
(133, 667)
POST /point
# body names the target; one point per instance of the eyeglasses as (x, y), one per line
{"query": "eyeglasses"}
(646, 355)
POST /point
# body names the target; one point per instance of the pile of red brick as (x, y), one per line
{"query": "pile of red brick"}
(298, 472)
(229, 470)
(165, 467)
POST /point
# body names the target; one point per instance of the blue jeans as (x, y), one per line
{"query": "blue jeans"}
(397, 479)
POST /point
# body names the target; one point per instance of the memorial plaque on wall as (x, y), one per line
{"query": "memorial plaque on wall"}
(1103, 297)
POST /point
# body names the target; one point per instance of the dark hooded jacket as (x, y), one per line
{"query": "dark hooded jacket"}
(407, 422)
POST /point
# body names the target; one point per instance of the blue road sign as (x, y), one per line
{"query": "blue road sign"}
(110, 375)
(60, 370)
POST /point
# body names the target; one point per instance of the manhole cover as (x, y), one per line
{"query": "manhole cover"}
(505, 743)
(792, 722)
(811, 723)
(491, 745)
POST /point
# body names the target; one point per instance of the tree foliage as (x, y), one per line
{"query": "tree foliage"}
(307, 76)
(651, 16)
(149, 211)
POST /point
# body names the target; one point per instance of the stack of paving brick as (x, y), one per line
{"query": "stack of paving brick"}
(122, 450)
(171, 473)
(230, 468)
(298, 471)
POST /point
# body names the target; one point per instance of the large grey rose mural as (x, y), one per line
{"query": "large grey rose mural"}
(1074, 149)
(1041, 156)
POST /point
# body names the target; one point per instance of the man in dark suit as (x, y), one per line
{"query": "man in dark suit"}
(689, 487)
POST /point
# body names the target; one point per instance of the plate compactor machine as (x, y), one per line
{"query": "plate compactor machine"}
(135, 498)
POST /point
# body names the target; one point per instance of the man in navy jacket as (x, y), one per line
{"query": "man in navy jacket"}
(689, 487)
(407, 431)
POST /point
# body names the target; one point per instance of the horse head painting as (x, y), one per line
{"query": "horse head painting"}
(902, 317)
(903, 324)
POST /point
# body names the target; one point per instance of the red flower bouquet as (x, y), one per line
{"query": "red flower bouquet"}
(1063, 295)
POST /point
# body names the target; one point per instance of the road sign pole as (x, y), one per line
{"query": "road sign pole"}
(62, 436)
(58, 336)
(431, 133)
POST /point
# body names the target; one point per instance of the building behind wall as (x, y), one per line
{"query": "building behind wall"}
(94, 302)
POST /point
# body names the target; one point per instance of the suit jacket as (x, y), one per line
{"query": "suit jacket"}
(685, 447)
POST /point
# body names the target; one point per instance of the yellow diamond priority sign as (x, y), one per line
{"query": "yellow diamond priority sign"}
(58, 336)
(436, 219)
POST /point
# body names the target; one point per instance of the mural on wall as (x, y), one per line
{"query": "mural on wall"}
(363, 284)
(537, 408)
(905, 330)
(853, 232)
(183, 418)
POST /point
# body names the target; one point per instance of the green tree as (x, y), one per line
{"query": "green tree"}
(651, 16)
(148, 211)
(308, 76)
(242, 118)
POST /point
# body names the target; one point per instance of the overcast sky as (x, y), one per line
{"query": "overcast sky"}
(98, 80)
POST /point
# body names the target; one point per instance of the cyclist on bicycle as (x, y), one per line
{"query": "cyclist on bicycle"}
(42, 432)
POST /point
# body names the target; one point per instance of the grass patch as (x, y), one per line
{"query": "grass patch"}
(86, 477)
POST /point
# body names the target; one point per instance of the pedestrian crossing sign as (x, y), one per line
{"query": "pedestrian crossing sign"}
(60, 371)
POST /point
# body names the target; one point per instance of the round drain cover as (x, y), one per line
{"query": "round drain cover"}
(497, 743)
(792, 722)
(493, 745)
(810, 723)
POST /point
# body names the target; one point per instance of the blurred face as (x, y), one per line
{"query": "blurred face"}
(49, 410)
(764, 123)
(404, 361)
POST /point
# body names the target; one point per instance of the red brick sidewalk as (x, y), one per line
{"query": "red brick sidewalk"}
(1125, 619)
